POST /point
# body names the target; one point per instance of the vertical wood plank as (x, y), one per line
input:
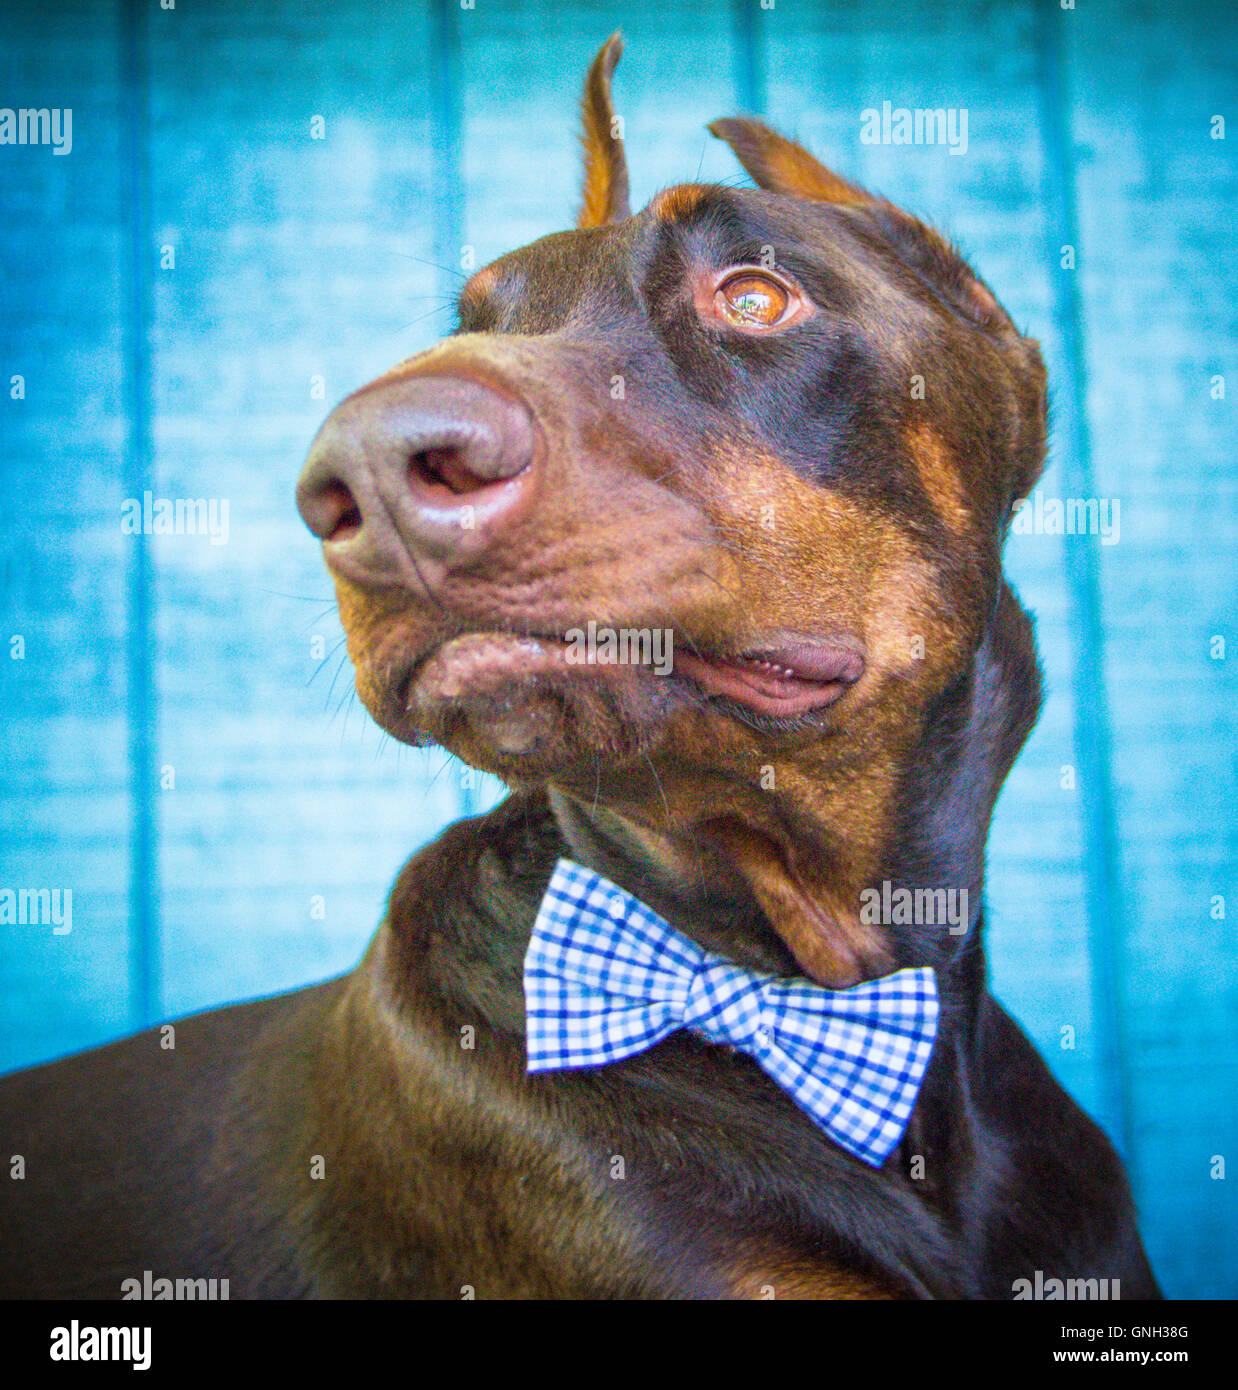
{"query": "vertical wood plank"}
(145, 985)
(65, 798)
(1157, 271)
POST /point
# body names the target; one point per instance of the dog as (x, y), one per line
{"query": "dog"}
(784, 428)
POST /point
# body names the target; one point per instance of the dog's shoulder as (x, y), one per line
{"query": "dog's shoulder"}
(154, 1153)
(1042, 1155)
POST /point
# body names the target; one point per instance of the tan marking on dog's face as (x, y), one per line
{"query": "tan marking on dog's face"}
(939, 476)
(480, 283)
(799, 1278)
(677, 202)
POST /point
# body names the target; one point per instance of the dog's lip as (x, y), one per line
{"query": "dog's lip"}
(792, 678)
(783, 680)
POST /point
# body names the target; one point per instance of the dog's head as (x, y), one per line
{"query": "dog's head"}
(697, 517)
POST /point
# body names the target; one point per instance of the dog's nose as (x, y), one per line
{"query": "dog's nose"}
(418, 465)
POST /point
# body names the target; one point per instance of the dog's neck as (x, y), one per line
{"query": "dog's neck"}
(834, 920)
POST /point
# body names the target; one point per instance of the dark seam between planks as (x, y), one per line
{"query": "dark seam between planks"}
(749, 68)
(144, 968)
(1093, 740)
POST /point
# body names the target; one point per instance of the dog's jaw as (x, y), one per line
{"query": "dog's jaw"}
(774, 875)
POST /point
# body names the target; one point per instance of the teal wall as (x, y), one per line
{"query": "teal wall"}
(299, 259)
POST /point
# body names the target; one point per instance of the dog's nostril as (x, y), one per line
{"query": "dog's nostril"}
(442, 468)
(341, 517)
(327, 504)
(410, 465)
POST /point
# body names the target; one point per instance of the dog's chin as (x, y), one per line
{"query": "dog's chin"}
(521, 708)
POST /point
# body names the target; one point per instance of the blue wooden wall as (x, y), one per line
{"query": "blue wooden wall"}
(187, 292)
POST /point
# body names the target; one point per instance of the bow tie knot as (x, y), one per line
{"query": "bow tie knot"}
(727, 1005)
(605, 978)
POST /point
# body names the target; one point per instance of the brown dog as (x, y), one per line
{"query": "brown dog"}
(784, 427)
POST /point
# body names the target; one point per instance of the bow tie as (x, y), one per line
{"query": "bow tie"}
(605, 977)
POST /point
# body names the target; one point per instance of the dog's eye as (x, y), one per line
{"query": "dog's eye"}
(752, 301)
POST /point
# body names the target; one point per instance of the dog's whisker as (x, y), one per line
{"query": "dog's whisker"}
(713, 579)
(434, 265)
(343, 661)
(442, 309)
(315, 672)
(327, 612)
(666, 805)
(299, 598)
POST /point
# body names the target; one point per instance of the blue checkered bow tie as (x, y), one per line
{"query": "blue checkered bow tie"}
(605, 977)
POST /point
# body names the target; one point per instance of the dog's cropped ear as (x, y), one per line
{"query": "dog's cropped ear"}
(605, 196)
(780, 165)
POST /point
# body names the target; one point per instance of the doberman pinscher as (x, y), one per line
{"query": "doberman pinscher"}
(783, 427)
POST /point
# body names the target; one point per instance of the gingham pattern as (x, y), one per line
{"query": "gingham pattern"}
(605, 977)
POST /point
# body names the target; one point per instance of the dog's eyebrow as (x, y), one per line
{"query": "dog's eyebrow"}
(680, 201)
(478, 285)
